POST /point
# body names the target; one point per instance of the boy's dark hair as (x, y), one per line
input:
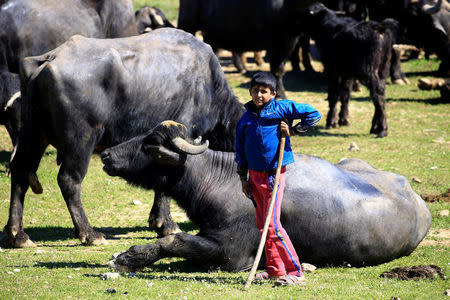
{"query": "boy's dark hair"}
(265, 79)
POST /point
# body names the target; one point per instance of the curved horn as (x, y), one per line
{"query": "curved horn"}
(188, 148)
(430, 9)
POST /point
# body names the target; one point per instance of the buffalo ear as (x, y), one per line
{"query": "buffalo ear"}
(164, 156)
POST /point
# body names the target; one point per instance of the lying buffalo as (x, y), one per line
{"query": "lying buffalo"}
(345, 213)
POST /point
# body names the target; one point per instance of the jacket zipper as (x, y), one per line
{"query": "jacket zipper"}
(261, 139)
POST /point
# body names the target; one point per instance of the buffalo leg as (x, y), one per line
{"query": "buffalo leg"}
(344, 92)
(277, 69)
(160, 219)
(277, 57)
(239, 61)
(24, 163)
(74, 164)
(295, 58)
(377, 91)
(301, 46)
(306, 53)
(397, 76)
(333, 98)
(183, 245)
(258, 57)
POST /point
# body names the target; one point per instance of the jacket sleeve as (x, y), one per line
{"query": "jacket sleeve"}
(240, 158)
(307, 113)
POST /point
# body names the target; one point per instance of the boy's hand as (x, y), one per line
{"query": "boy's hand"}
(284, 127)
(246, 188)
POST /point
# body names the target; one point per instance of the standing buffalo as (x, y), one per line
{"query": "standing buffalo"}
(247, 25)
(352, 50)
(33, 27)
(424, 23)
(347, 213)
(94, 93)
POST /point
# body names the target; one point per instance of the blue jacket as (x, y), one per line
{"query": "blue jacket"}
(258, 136)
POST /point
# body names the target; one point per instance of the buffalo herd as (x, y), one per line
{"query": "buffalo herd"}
(93, 76)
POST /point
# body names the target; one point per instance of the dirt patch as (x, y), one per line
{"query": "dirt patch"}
(444, 197)
(415, 273)
(440, 237)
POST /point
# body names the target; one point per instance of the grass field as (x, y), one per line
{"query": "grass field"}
(418, 146)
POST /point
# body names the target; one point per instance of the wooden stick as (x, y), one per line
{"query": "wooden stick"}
(251, 276)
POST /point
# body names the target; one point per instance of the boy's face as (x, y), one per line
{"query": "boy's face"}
(261, 95)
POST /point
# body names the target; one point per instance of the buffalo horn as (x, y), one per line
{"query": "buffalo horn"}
(188, 148)
(430, 9)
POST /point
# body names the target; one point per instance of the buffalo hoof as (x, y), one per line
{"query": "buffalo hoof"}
(329, 126)
(129, 261)
(113, 264)
(163, 226)
(242, 71)
(94, 239)
(356, 87)
(344, 123)
(430, 84)
(21, 240)
(119, 268)
(399, 81)
(382, 134)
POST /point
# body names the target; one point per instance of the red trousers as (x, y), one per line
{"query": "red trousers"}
(280, 253)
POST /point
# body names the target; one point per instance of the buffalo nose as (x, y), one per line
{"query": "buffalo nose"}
(105, 154)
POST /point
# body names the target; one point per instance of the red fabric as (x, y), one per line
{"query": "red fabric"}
(280, 253)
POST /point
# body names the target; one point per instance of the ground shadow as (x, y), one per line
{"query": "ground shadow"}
(320, 130)
(63, 265)
(173, 267)
(296, 81)
(226, 61)
(423, 74)
(200, 278)
(55, 233)
(305, 81)
(430, 101)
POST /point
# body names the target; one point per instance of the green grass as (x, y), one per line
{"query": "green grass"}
(61, 268)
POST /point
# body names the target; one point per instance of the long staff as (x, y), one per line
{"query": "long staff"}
(251, 276)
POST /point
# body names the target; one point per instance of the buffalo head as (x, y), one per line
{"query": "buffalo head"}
(150, 18)
(428, 8)
(151, 158)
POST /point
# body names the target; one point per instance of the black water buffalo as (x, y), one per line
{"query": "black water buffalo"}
(346, 213)
(150, 18)
(424, 23)
(93, 93)
(247, 25)
(428, 26)
(352, 50)
(33, 27)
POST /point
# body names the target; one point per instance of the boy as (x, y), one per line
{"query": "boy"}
(257, 139)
